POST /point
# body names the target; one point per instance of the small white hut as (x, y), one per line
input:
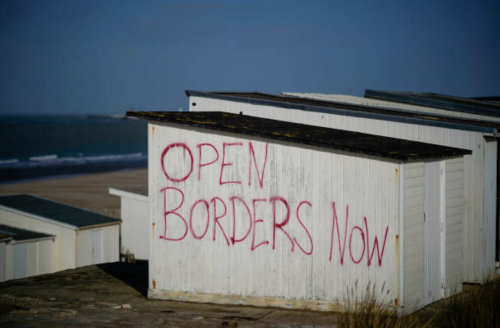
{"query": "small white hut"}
(480, 231)
(134, 208)
(81, 237)
(247, 210)
(24, 253)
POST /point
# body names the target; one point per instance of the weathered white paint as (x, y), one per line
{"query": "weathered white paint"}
(3, 261)
(9, 262)
(63, 247)
(194, 173)
(96, 246)
(44, 256)
(69, 249)
(25, 259)
(99, 245)
(413, 248)
(135, 217)
(433, 219)
(490, 189)
(473, 238)
(389, 104)
(454, 225)
(360, 187)
(400, 247)
(20, 266)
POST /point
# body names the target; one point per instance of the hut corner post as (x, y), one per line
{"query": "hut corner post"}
(399, 302)
(151, 194)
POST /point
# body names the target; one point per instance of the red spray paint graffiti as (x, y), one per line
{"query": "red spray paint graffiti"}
(366, 241)
(256, 217)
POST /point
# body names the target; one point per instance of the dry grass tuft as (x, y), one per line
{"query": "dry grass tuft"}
(369, 312)
(478, 308)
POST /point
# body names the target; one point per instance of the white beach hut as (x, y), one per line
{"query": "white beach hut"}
(478, 233)
(81, 237)
(24, 253)
(247, 210)
(134, 208)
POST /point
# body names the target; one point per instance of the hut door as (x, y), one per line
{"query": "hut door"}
(20, 261)
(433, 231)
(96, 246)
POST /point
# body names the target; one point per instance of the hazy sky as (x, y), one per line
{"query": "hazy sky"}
(108, 56)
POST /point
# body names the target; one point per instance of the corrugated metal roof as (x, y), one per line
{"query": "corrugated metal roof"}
(22, 234)
(435, 100)
(341, 108)
(306, 134)
(55, 211)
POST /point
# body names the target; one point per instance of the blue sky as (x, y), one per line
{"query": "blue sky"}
(109, 56)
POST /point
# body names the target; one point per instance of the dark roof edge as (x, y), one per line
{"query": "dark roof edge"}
(490, 98)
(372, 152)
(32, 240)
(100, 225)
(36, 216)
(396, 110)
(75, 207)
(346, 112)
(434, 103)
(73, 226)
(224, 93)
(19, 234)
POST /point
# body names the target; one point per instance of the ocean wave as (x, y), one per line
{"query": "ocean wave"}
(54, 160)
(8, 161)
(43, 158)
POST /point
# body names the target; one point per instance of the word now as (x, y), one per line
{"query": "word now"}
(203, 148)
(216, 209)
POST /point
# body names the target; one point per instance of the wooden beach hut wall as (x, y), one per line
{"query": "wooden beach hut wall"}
(392, 104)
(440, 106)
(487, 111)
(81, 237)
(134, 209)
(246, 210)
(24, 253)
(478, 232)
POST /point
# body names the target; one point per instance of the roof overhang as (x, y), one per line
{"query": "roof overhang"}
(103, 225)
(128, 194)
(37, 217)
(308, 135)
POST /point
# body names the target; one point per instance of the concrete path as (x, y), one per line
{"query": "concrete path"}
(113, 295)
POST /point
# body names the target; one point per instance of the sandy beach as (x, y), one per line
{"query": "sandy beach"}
(90, 191)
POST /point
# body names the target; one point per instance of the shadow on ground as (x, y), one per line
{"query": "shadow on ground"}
(133, 274)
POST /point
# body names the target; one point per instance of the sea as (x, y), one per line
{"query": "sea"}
(45, 146)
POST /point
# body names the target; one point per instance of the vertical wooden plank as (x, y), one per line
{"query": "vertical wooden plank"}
(413, 247)
(489, 205)
(454, 225)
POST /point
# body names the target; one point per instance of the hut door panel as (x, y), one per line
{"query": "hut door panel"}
(433, 239)
(97, 247)
(489, 203)
(20, 261)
